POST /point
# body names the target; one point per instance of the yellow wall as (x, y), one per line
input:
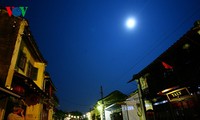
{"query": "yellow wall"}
(15, 54)
(40, 77)
(39, 65)
(50, 115)
(34, 112)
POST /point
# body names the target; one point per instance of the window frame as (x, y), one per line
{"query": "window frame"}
(32, 72)
(22, 59)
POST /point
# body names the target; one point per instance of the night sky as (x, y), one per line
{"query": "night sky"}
(87, 44)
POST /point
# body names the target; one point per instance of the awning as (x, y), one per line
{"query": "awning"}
(114, 106)
(8, 92)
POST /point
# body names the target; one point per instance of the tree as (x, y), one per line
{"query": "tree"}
(59, 115)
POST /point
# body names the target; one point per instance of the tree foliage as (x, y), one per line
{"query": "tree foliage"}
(59, 115)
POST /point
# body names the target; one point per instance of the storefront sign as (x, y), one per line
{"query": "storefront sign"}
(178, 94)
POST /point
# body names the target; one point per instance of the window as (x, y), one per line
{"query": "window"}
(21, 60)
(32, 71)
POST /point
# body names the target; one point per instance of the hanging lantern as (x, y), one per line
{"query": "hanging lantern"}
(19, 90)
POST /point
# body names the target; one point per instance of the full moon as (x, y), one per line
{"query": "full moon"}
(130, 23)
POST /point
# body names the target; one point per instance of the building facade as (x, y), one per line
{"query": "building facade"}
(22, 70)
(108, 108)
(131, 107)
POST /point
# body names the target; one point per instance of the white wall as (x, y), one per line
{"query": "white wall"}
(107, 115)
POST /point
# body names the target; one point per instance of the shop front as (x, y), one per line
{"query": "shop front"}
(178, 104)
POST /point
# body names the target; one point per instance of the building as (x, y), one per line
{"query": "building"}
(51, 101)
(170, 85)
(131, 109)
(22, 70)
(108, 108)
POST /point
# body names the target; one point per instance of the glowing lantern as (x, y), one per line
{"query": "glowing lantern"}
(19, 90)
